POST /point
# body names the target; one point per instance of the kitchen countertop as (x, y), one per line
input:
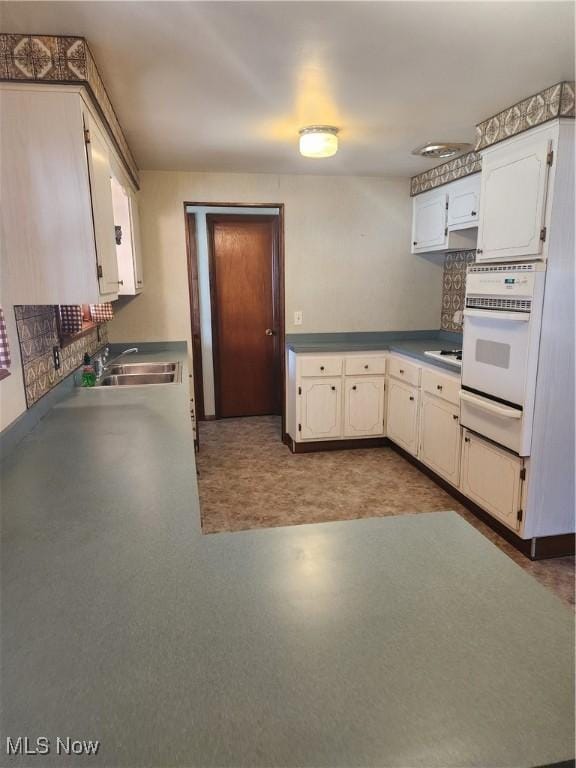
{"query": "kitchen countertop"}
(413, 344)
(357, 643)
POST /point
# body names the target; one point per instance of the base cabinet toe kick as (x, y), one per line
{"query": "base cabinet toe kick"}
(351, 400)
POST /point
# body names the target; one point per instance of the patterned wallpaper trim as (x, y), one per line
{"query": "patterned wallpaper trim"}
(454, 287)
(553, 102)
(454, 169)
(63, 60)
(37, 336)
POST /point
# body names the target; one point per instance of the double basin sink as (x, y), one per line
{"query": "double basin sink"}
(131, 374)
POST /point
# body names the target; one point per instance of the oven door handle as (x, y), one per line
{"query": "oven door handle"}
(494, 314)
(488, 405)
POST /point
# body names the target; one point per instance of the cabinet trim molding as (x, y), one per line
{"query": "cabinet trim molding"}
(63, 60)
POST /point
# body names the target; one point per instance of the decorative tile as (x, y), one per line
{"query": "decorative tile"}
(37, 335)
(62, 59)
(555, 101)
(454, 287)
(445, 173)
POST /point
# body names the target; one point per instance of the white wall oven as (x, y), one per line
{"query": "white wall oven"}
(502, 318)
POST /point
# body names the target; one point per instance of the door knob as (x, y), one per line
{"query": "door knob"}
(269, 332)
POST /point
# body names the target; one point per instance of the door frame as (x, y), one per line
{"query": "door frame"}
(278, 277)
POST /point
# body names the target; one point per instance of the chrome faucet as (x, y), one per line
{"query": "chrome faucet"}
(102, 367)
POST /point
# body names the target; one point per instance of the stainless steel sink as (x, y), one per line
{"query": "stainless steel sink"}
(137, 374)
(114, 370)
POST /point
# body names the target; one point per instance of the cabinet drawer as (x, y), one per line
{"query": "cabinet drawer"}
(400, 369)
(313, 365)
(358, 366)
(446, 387)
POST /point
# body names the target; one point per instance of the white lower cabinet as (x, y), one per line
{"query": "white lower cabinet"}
(363, 406)
(402, 416)
(320, 408)
(492, 477)
(440, 437)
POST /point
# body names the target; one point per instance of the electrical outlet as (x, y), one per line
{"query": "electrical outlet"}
(298, 317)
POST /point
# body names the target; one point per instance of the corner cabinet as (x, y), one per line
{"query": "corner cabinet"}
(64, 251)
(335, 396)
(514, 190)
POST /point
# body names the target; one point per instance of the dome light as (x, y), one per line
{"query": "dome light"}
(319, 141)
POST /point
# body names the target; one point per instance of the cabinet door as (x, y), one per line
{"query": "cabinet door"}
(102, 209)
(429, 222)
(464, 202)
(136, 242)
(402, 415)
(513, 199)
(363, 406)
(492, 478)
(320, 408)
(440, 437)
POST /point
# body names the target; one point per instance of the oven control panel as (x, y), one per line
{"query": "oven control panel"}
(500, 284)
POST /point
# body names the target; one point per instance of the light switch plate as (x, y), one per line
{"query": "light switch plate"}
(298, 317)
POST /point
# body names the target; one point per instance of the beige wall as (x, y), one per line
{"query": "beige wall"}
(348, 266)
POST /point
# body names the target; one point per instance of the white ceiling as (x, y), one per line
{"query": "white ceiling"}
(219, 86)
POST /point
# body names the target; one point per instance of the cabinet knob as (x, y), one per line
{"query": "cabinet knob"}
(439, 387)
(120, 282)
(269, 332)
(411, 398)
(334, 388)
(472, 213)
(479, 250)
(354, 387)
(455, 417)
(321, 367)
(366, 367)
(139, 282)
(466, 439)
(401, 370)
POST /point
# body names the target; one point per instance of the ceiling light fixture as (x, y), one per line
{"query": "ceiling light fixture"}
(442, 149)
(319, 141)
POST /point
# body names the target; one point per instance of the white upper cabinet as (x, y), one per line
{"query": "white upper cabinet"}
(127, 226)
(48, 254)
(102, 207)
(136, 241)
(363, 406)
(429, 232)
(513, 197)
(464, 202)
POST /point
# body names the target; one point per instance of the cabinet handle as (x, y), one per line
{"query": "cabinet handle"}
(321, 367)
(139, 282)
(120, 282)
(439, 387)
(479, 250)
(354, 387)
(334, 388)
(455, 417)
(466, 439)
(414, 242)
(472, 213)
(401, 370)
(411, 398)
(365, 367)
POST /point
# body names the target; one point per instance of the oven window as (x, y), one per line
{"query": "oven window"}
(493, 353)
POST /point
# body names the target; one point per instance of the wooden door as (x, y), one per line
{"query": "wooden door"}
(513, 199)
(363, 406)
(429, 222)
(320, 409)
(402, 416)
(102, 208)
(492, 478)
(245, 322)
(440, 437)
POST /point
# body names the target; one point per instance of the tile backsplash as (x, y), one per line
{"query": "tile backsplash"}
(453, 287)
(37, 336)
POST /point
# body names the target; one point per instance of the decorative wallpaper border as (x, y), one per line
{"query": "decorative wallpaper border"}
(63, 60)
(555, 101)
(450, 171)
